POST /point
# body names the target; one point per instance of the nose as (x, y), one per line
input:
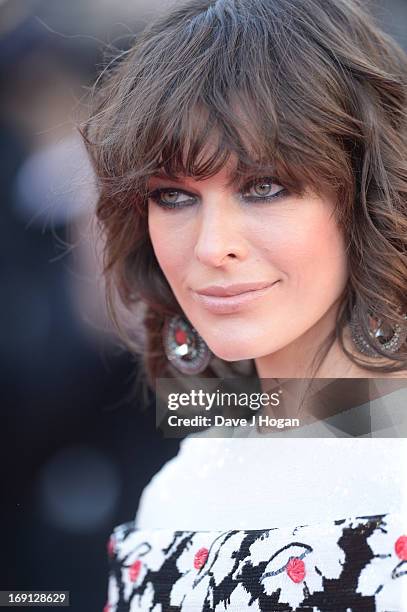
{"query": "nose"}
(220, 236)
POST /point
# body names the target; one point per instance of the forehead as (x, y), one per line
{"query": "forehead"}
(227, 176)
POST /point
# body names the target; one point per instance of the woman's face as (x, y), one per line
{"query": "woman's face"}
(281, 255)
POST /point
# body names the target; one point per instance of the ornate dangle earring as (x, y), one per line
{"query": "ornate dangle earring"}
(389, 339)
(184, 347)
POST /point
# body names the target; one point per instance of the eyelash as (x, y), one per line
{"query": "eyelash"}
(156, 195)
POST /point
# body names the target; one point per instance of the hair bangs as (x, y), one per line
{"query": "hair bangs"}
(222, 128)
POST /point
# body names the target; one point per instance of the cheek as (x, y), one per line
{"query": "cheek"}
(170, 243)
(312, 248)
(315, 267)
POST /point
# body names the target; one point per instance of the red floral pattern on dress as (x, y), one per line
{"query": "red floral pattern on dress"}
(296, 569)
(401, 548)
(134, 570)
(200, 558)
(110, 547)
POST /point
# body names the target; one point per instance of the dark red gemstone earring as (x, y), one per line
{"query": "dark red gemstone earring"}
(184, 347)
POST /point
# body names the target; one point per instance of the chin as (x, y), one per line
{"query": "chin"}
(243, 348)
(234, 351)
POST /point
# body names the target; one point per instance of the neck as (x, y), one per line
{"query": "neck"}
(296, 359)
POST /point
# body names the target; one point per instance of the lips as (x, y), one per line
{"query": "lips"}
(233, 298)
(230, 290)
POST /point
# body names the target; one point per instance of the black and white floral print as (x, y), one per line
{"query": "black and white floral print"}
(349, 565)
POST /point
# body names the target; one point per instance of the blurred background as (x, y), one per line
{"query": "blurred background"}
(78, 440)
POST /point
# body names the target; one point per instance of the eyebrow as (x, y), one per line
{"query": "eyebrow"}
(233, 176)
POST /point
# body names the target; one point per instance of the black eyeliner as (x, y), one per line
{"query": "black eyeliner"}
(157, 193)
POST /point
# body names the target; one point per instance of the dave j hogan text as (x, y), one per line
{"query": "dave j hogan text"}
(256, 420)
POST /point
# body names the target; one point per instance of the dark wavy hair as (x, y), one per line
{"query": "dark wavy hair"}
(314, 86)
